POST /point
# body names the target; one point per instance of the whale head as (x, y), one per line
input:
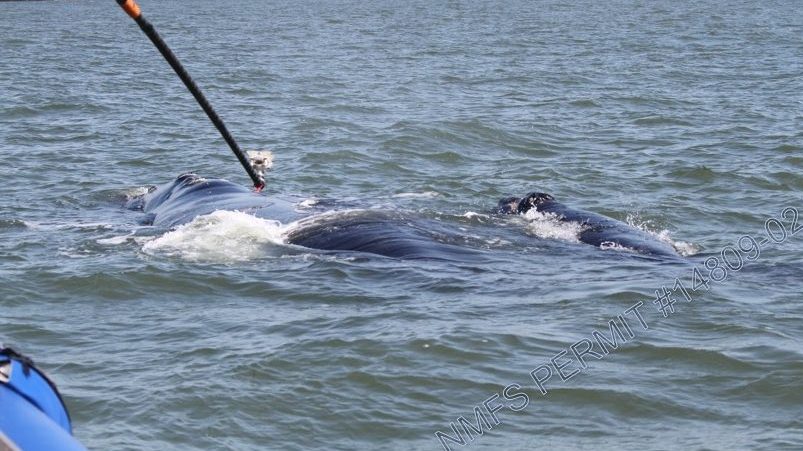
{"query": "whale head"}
(533, 200)
(507, 206)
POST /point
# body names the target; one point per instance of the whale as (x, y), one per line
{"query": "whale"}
(344, 227)
(396, 234)
(595, 229)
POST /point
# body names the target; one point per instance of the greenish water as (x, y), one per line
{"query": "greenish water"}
(683, 118)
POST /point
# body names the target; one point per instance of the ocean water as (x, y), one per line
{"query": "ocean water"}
(682, 118)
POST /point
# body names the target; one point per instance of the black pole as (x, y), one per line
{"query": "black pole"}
(133, 10)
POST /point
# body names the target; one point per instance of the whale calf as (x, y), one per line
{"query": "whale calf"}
(596, 229)
(384, 232)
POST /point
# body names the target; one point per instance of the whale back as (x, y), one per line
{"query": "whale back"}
(391, 234)
(189, 196)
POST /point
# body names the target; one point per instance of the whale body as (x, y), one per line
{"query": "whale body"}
(381, 232)
(596, 229)
(384, 232)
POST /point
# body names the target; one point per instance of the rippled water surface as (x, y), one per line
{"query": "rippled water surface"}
(681, 118)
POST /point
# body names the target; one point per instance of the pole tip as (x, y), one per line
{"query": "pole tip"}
(130, 7)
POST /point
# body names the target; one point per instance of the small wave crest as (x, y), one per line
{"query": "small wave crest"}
(308, 203)
(224, 236)
(479, 217)
(12, 224)
(423, 195)
(138, 191)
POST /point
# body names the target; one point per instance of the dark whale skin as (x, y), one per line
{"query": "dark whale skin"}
(392, 234)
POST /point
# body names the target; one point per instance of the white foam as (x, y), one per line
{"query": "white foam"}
(48, 226)
(137, 192)
(223, 236)
(115, 240)
(610, 245)
(307, 203)
(548, 225)
(681, 247)
(496, 242)
(473, 214)
(425, 194)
